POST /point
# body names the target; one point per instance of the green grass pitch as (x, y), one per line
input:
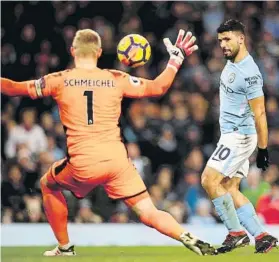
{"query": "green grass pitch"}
(134, 254)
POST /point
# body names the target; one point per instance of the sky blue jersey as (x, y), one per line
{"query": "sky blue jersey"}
(239, 83)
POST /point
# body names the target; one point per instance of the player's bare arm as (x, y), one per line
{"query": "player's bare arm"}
(258, 107)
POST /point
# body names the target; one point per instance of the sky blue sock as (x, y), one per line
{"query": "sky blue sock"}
(249, 219)
(225, 209)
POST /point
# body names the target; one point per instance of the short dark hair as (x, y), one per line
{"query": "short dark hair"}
(231, 25)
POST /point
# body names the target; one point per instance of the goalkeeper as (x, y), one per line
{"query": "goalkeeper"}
(96, 154)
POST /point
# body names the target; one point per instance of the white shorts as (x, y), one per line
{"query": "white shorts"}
(231, 157)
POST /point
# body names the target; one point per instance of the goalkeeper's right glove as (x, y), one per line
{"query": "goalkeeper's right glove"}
(183, 47)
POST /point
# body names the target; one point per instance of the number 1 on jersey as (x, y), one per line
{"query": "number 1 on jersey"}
(89, 95)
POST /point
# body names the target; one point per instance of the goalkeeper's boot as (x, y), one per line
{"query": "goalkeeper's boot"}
(199, 247)
(232, 242)
(58, 251)
(265, 243)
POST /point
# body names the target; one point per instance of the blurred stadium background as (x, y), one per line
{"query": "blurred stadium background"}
(169, 139)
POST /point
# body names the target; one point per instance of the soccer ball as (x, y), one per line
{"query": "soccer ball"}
(133, 50)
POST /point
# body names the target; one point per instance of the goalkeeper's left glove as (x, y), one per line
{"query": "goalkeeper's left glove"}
(262, 159)
(183, 47)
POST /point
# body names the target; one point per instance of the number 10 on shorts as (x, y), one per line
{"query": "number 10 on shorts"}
(221, 153)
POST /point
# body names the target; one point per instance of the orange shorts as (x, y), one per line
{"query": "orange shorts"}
(118, 176)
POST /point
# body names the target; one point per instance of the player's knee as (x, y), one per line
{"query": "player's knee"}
(43, 181)
(206, 180)
(231, 185)
(210, 179)
(148, 216)
(232, 190)
(145, 211)
(43, 185)
(46, 183)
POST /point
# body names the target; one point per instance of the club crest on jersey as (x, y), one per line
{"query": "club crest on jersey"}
(134, 80)
(231, 77)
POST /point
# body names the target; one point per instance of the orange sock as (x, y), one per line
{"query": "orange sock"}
(164, 223)
(57, 213)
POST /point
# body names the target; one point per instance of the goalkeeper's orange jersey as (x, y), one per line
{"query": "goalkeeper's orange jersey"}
(89, 104)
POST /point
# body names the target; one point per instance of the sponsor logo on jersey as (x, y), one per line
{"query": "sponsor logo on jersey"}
(253, 80)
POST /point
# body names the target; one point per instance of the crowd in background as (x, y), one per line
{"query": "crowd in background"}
(169, 139)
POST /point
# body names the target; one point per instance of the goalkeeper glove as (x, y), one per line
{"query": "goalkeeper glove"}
(183, 47)
(262, 159)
